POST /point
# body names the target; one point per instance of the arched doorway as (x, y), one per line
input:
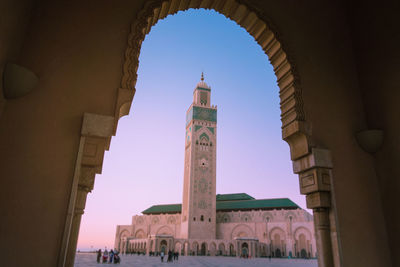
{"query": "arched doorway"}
(195, 248)
(303, 253)
(203, 250)
(221, 249)
(231, 250)
(213, 249)
(164, 246)
(178, 248)
(245, 250)
(278, 253)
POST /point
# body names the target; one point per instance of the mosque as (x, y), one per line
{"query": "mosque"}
(207, 223)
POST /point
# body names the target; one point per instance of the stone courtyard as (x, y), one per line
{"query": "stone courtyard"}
(89, 260)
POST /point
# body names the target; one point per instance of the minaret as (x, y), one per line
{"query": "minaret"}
(199, 185)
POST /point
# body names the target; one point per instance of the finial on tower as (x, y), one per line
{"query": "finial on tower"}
(202, 77)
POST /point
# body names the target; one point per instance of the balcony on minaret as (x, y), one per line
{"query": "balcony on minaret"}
(202, 94)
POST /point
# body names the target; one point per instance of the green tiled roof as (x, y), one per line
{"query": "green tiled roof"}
(230, 197)
(256, 204)
(157, 209)
(227, 202)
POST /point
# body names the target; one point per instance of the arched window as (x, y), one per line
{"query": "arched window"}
(201, 218)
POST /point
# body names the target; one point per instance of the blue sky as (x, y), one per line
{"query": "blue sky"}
(144, 165)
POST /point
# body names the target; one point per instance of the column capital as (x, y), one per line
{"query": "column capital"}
(315, 180)
(318, 200)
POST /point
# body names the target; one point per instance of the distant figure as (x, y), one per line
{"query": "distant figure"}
(169, 256)
(162, 256)
(117, 259)
(105, 256)
(176, 255)
(98, 255)
(111, 256)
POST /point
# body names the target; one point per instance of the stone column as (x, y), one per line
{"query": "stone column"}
(323, 237)
(95, 138)
(315, 182)
(85, 185)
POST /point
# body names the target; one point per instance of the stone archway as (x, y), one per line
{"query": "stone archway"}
(195, 248)
(231, 249)
(178, 247)
(312, 164)
(203, 249)
(163, 246)
(213, 249)
(244, 250)
(221, 249)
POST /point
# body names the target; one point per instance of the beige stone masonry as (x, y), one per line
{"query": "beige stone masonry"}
(96, 134)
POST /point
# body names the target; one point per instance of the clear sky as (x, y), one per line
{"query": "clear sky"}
(144, 165)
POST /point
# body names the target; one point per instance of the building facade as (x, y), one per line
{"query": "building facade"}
(210, 224)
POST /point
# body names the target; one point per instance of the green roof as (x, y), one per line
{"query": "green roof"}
(157, 209)
(256, 204)
(230, 197)
(227, 202)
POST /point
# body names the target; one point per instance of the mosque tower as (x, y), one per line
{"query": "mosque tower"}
(199, 185)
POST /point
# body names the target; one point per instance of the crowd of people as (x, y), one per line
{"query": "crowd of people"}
(108, 257)
(172, 256)
(113, 256)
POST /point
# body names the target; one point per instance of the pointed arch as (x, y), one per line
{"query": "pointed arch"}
(242, 230)
(302, 230)
(204, 136)
(140, 234)
(165, 230)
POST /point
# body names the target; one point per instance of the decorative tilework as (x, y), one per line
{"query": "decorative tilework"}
(211, 129)
(197, 127)
(204, 135)
(201, 113)
(205, 89)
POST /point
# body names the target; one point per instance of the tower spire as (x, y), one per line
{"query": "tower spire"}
(202, 77)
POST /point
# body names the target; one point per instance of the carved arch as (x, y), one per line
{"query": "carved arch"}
(290, 214)
(140, 234)
(165, 230)
(267, 216)
(242, 228)
(226, 218)
(245, 217)
(171, 220)
(295, 131)
(124, 233)
(277, 230)
(302, 230)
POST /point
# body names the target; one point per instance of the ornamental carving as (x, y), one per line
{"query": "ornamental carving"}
(202, 204)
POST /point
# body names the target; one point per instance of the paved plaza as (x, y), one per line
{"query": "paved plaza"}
(89, 260)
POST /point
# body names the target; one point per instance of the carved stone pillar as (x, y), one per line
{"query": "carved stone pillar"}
(86, 183)
(95, 139)
(323, 237)
(315, 182)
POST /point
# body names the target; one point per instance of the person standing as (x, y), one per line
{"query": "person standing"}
(169, 256)
(98, 255)
(111, 256)
(105, 256)
(162, 256)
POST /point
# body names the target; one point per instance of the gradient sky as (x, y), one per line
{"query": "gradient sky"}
(144, 165)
